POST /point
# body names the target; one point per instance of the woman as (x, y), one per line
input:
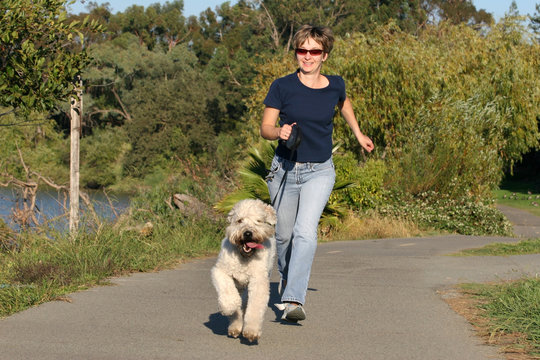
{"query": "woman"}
(307, 99)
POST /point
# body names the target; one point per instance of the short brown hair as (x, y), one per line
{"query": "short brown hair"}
(321, 34)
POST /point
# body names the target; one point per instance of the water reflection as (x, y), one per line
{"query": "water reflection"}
(54, 206)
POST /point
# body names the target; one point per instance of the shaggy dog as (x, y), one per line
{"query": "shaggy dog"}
(244, 265)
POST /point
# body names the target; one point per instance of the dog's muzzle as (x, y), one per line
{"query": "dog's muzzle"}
(248, 246)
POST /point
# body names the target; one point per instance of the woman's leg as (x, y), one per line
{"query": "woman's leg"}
(316, 184)
(284, 193)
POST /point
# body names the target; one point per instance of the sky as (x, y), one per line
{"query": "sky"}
(194, 7)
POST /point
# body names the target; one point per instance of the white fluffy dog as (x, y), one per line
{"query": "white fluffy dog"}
(245, 262)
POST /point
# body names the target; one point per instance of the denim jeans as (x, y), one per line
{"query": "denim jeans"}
(299, 201)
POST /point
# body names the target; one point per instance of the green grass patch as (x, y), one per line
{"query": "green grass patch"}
(512, 308)
(520, 194)
(523, 247)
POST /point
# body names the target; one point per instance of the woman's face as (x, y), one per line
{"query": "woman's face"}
(310, 63)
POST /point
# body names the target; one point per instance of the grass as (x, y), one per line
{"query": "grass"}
(512, 311)
(531, 246)
(47, 268)
(521, 194)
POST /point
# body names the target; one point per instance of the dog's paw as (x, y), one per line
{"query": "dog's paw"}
(251, 335)
(234, 332)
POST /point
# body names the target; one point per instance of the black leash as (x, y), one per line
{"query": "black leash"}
(292, 144)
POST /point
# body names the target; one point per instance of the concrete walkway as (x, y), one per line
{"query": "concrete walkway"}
(526, 225)
(373, 299)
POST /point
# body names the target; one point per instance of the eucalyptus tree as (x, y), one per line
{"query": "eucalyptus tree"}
(461, 12)
(170, 23)
(535, 22)
(138, 21)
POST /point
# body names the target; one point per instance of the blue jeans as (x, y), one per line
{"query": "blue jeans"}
(299, 201)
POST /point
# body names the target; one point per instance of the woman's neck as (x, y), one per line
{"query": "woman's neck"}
(313, 80)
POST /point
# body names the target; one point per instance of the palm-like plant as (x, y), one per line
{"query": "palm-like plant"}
(253, 185)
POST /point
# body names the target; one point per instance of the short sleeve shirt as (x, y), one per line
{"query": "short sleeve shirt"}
(312, 109)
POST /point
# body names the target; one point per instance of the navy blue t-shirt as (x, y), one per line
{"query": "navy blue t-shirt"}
(312, 109)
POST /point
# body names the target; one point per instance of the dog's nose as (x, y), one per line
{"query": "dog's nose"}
(248, 234)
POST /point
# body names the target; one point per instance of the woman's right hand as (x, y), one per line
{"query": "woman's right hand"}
(285, 131)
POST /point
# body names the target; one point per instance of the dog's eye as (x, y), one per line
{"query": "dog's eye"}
(239, 221)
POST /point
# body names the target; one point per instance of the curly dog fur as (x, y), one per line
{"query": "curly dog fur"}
(244, 265)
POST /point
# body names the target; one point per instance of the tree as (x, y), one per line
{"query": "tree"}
(160, 98)
(460, 12)
(535, 22)
(40, 53)
(140, 22)
(170, 23)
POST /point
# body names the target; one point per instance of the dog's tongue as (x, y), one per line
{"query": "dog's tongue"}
(254, 245)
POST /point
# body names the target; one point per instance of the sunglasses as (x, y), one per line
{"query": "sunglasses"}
(312, 52)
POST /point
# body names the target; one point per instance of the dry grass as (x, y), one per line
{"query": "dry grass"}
(370, 226)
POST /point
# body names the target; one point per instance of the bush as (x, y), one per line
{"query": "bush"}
(431, 210)
(452, 149)
(367, 178)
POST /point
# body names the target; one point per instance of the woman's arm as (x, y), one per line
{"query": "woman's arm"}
(348, 113)
(269, 131)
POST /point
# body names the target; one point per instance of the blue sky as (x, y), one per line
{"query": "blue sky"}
(194, 7)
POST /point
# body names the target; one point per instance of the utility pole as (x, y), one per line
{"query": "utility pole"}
(76, 115)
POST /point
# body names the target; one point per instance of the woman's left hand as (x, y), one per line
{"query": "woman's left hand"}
(366, 143)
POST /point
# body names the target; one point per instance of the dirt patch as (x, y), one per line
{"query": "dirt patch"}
(512, 346)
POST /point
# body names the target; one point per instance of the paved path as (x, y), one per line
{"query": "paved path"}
(525, 224)
(369, 300)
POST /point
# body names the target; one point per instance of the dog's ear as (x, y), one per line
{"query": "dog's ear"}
(270, 215)
(231, 214)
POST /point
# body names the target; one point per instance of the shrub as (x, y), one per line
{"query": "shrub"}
(367, 181)
(452, 149)
(431, 210)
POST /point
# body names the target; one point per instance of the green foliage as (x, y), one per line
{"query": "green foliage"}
(463, 215)
(39, 57)
(367, 178)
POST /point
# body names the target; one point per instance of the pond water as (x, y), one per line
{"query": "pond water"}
(53, 205)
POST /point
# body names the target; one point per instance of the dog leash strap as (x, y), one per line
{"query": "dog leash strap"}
(284, 179)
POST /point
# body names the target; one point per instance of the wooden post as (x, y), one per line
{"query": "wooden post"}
(76, 114)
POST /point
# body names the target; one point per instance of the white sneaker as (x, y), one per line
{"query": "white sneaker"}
(293, 312)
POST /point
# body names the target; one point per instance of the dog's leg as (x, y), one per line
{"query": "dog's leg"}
(235, 323)
(228, 297)
(258, 295)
